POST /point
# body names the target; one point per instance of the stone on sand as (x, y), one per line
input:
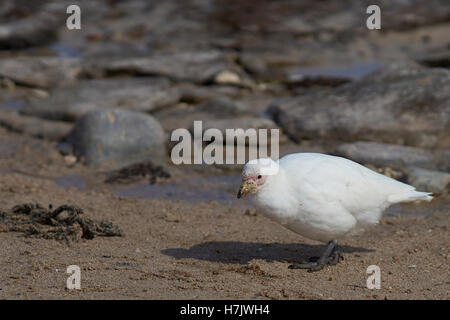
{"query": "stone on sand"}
(428, 180)
(382, 154)
(117, 138)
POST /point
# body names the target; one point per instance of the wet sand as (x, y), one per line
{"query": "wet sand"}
(198, 248)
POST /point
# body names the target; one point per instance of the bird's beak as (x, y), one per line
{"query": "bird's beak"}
(245, 189)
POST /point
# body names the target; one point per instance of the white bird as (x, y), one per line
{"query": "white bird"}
(322, 197)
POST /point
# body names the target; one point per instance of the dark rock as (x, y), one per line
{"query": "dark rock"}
(442, 158)
(70, 103)
(224, 107)
(51, 130)
(33, 30)
(43, 72)
(440, 60)
(64, 148)
(428, 180)
(197, 67)
(183, 115)
(194, 94)
(308, 81)
(400, 104)
(389, 155)
(244, 123)
(329, 76)
(117, 138)
(255, 65)
(413, 14)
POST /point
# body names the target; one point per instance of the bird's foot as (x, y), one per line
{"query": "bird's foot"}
(331, 256)
(335, 257)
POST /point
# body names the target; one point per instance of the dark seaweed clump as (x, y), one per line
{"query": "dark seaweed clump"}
(64, 223)
(136, 172)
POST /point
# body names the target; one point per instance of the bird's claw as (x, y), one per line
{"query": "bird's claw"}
(315, 265)
(335, 258)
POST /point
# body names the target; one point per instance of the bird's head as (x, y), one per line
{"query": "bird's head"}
(255, 174)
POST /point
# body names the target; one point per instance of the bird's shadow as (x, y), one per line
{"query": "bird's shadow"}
(235, 252)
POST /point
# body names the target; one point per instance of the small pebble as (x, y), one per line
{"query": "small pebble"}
(227, 77)
(70, 160)
(250, 212)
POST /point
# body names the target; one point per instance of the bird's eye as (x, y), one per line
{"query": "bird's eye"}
(259, 177)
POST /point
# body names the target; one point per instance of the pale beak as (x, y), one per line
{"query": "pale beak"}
(245, 189)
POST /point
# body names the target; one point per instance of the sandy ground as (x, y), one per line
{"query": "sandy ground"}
(203, 250)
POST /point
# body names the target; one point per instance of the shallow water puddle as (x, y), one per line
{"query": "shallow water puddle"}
(7, 148)
(72, 180)
(196, 188)
(192, 189)
(174, 192)
(65, 51)
(13, 105)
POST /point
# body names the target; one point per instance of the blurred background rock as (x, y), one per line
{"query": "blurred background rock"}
(310, 68)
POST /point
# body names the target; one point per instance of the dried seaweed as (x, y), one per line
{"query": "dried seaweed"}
(63, 223)
(138, 171)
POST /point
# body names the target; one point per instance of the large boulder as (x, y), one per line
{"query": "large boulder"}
(382, 154)
(403, 103)
(117, 138)
(424, 169)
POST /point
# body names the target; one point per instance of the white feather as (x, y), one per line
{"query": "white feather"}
(324, 197)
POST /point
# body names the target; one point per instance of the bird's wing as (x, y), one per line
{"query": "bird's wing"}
(322, 178)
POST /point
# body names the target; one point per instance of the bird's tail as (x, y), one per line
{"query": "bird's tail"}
(413, 195)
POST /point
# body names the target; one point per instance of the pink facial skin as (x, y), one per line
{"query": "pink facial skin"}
(250, 184)
(256, 180)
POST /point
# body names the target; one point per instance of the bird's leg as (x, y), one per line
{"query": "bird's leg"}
(335, 257)
(330, 256)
